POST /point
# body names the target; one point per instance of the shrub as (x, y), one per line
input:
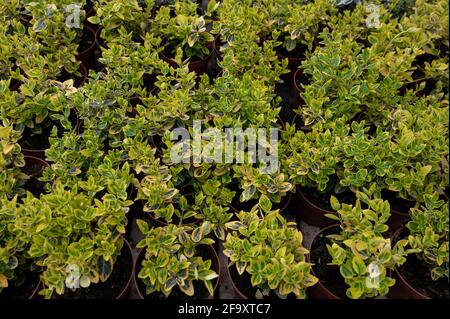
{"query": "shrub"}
(72, 236)
(172, 258)
(360, 251)
(270, 250)
(428, 235)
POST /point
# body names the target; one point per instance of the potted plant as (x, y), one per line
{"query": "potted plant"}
(17, 277)
(266, 256)
(358, 252)
(87, 251)
(424, 274)
(177, 261)
(181, 27)
(255, 183)
(301, 27)
(338, 160)
(126, 15)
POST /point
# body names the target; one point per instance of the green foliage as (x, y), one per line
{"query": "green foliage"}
(304, 23)
(172, 258)
(270, 250)
(73, 237)
(428, 235)
(12, 247)
(363, 255)
(112, 16)
(11, 162)
(183, 28)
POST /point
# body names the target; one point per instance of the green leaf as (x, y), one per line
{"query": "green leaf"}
(85, 281)
(332, 216)
(94, 20)
(346, 271)
(212, 6)
(240, 267)
(192, 39)
(197, 235)
(143, 226)
(358, 265)
(248, 193)
(290, 45)
(187, 288)
(170, 283)
(265, 203)
(209, 287)
(425, 170)
(334, 203)
(355, 292)
(206, 228)
(104, 268)
(39, 26)
(235, 225)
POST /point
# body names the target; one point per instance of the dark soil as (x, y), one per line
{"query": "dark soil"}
(77, 80)
(35, 141)
(34, 171)
(328, 275)
(23, 290)
(284, 203)
(40, 142)
(89, 8)
(397, 204)
(322, 200)
(200, 291)
(298, 53)
(109, 289)
(418, 276)
(243, 282)
(14, 85)
(86, 41)
(149, 81)
(237, 206)
(302, 79)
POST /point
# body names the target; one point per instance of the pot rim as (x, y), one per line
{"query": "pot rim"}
(98, 39)
(296, 75)
(36, 160)
(89, 49)
(305, 198)
(84, 75)
(238, 292)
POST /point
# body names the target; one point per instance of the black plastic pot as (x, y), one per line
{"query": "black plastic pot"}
(310, 213)
(24, 291)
